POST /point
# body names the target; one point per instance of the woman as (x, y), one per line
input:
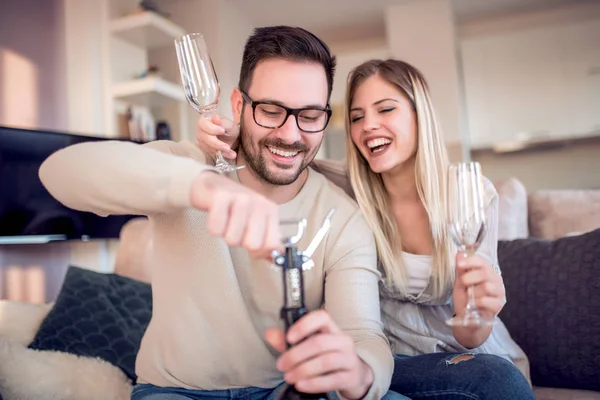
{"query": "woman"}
(397, 163)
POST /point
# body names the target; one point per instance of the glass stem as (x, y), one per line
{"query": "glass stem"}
(471, 303)
(219, 159)
(471, 307)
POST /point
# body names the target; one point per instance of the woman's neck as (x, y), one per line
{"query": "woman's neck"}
(412, 220)
(400, 183)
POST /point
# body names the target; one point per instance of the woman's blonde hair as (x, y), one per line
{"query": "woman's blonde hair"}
(431, 165)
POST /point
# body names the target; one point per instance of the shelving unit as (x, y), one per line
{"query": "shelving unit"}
(130, 36)
(149, 92)
(147, 30)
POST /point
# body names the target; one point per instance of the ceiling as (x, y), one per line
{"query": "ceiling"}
(347, 20)
(472, 9)
(344, 20)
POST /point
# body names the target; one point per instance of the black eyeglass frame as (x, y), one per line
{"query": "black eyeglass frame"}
(289, 111)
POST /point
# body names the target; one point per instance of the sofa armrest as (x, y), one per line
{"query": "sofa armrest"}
(512, 209)
(557, 213)
(135, 242)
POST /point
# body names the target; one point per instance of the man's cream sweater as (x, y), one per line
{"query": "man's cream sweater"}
(212, 303)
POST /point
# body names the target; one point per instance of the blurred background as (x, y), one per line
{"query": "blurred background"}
(515, 83)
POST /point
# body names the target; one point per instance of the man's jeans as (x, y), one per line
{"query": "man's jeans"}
(150, 392)
(459, 376)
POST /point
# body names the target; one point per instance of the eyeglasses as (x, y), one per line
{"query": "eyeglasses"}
(273, 116)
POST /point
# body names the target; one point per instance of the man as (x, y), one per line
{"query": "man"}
(216, 330)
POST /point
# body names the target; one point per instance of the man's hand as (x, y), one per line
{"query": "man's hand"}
(322, 357)
(217, 134)
(242, 217)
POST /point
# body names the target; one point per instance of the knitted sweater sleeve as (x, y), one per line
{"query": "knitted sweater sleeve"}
(115, 177)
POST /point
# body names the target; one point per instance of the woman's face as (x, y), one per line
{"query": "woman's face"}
(383, 125)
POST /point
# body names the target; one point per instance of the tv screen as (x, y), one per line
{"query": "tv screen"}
(28, 213)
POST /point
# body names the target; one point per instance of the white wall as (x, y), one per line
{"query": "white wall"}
(512, 22)
(349, 56)
(32, 64)
(234, 30)
(85, 84)
(422, 33)
(551, 87)
(532, 74)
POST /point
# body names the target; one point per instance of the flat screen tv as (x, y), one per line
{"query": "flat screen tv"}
(28, 213)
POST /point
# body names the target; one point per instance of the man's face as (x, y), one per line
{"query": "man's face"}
(278, 156)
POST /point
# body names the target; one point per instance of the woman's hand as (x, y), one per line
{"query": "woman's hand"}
(217, 134)
(489, 295)
(322, 357)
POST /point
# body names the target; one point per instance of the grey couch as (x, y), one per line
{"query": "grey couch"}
(549, 214)
(542, 214)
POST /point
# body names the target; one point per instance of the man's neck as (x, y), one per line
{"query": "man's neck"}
(279, 194)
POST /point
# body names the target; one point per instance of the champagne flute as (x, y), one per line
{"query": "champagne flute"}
(467, 225)
(200, 83)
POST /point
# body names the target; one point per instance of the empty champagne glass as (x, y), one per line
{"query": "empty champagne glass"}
(467, 225)
(200, 83)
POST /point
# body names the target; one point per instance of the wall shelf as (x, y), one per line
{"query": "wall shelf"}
(514, 147)
(146, 30)
(149, 92)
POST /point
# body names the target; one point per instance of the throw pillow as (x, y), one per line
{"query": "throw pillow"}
(27, 374)
(98, 315)
(20, 321)
(553, 308)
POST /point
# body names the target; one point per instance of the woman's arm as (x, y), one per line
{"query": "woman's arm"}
(483, 271)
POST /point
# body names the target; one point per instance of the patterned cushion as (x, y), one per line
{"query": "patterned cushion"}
(98, 315)
(553, 309)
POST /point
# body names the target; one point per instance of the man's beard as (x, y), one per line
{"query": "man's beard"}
(257, 162)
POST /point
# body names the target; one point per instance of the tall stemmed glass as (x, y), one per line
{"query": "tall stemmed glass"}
(200, 83)
(467, 226)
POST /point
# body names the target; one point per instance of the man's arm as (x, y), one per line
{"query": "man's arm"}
(161, 177)
(116, 177)
(352, 299)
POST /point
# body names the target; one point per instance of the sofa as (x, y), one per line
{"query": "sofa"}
(530, 225)
(542, 239)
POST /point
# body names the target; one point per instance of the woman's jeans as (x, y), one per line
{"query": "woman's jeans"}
(459, 376)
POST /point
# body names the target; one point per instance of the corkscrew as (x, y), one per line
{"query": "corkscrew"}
(293, 263)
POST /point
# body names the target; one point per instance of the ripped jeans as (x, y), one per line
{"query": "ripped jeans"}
(459, 376)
